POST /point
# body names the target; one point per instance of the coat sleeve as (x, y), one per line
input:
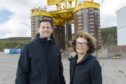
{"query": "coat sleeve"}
(23, 69)
(62, 80)
(96, 73)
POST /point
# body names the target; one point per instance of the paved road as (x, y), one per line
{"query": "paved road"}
(114, 71)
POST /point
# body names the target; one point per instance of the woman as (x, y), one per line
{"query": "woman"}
(84, 67)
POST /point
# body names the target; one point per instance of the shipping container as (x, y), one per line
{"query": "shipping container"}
(12, 51)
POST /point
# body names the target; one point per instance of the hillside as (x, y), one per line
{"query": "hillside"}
(17, 42)
(109, 36)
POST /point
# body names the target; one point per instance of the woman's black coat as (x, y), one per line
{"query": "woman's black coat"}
(88, 71)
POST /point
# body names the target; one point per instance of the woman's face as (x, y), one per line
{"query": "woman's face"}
(81, 46)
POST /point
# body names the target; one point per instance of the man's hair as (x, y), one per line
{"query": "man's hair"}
(46, 20)
(90, 39)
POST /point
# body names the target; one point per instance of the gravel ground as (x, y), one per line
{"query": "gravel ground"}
(113, 70)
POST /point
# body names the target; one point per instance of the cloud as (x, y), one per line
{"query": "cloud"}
(15, 28)
(5, 15)
(19, 24)
(108, 12)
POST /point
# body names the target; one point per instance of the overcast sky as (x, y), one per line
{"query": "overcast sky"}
(15, 15)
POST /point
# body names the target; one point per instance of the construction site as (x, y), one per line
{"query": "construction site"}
(68, 18)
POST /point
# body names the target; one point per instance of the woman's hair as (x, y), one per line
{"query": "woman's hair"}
(90, 39)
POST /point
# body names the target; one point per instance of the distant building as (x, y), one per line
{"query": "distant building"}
(117, 52)
(88, 20)
(121, 26)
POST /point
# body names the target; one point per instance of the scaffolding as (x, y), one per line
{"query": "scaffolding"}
(85, 17)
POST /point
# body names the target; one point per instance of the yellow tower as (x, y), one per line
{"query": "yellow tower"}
(85, 17)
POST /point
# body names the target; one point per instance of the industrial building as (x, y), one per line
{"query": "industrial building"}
(121, 26)
(84, 16)
(119, 51)
(88, 20)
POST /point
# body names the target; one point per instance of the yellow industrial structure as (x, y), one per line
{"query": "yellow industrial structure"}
(85, 17)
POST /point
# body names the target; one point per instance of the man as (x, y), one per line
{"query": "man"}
(40, 60)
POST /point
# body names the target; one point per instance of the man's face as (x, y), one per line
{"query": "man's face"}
(45, 30)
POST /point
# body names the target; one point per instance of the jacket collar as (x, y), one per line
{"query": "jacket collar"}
(73, 63)
(44, 41)
(85, 58)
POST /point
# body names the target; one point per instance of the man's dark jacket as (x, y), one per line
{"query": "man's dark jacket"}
(87, 71)
(40, 63)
